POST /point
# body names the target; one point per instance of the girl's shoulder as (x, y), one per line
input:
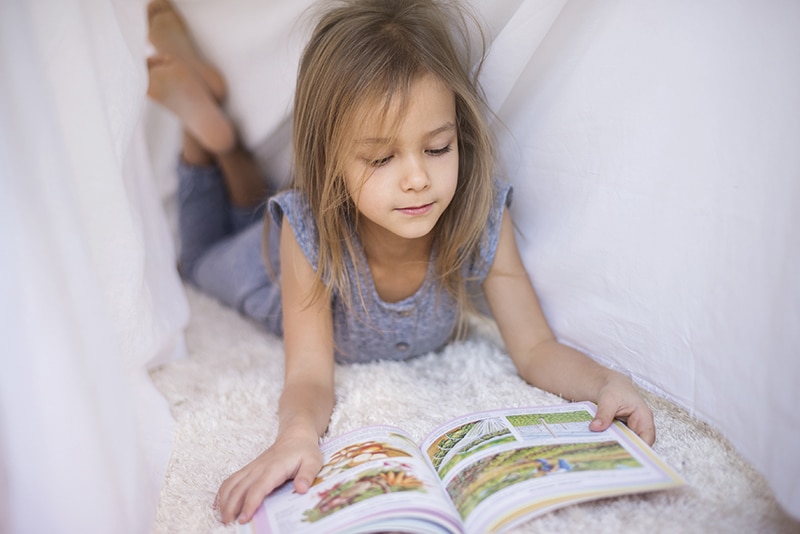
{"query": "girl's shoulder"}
(294, 205)
(479, 268)
(503, 194)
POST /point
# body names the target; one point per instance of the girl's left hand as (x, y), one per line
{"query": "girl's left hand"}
(619, 399)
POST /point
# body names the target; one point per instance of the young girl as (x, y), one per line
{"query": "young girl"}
(395, 209)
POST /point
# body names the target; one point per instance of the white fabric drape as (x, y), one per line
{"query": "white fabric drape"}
(654, 152)
(89, 293)
(653, 149)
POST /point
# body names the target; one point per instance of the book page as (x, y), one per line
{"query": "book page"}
(373, 479)
(503, 467)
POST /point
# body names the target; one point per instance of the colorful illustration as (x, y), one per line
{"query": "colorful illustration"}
(552, 425)
(466, 440)
(371, 483)
(489, 475)
(357, 454)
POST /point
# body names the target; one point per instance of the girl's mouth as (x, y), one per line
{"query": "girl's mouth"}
(416, 210)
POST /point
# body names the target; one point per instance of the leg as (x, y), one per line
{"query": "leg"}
(222, 260)
(175, 87)
(203, 216)
(169, 35)
(193, 89)
(207, 214)
(234, 271)
(246, 186)
(220, 184)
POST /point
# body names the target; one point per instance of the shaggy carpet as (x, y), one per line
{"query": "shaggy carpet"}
(224, 397)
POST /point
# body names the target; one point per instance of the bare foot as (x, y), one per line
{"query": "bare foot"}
(176, 87)
(170, 36)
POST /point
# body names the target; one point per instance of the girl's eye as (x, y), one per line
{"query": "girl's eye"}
(380, 162)
(440, 151)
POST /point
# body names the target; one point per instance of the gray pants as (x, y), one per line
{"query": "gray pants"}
(221, 247)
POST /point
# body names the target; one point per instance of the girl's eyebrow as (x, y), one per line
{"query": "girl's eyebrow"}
(385, 140)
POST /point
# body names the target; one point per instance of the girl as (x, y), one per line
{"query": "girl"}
(394, 211)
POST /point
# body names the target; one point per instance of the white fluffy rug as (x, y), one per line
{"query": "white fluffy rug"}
(224, 399)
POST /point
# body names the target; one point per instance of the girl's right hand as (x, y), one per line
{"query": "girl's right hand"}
(293, 456)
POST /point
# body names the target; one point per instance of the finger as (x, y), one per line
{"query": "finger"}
(233, 507)
(228, 501)
(255, 496)
(305, 476)
(252, 501)
(642, 423)
(231, 495)
(228, 484)
(603, 418)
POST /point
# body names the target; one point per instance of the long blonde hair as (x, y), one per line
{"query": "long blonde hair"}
(364, 51)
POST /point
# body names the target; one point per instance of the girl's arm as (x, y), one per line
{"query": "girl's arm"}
(544, 362)
(307, 400)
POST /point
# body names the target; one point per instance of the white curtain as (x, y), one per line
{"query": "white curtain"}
(89, 292)
(653, 149)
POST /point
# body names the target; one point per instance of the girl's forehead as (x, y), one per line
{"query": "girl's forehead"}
(376, 121)
(379, 117)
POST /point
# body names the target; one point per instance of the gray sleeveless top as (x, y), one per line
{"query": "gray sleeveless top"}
(381, 330)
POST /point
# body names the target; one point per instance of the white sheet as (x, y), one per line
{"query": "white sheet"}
(89, 291)
(653, 151)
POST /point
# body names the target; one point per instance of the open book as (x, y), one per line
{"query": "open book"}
(482, 472)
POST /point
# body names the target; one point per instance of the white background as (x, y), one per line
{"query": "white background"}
(654, 153)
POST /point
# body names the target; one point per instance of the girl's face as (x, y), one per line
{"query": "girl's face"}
(402, 181)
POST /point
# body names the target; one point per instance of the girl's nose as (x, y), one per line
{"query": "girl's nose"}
(415, 176)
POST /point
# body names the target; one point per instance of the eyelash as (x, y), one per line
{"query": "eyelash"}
(435, 152)
(441, 151)
(379, 162)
